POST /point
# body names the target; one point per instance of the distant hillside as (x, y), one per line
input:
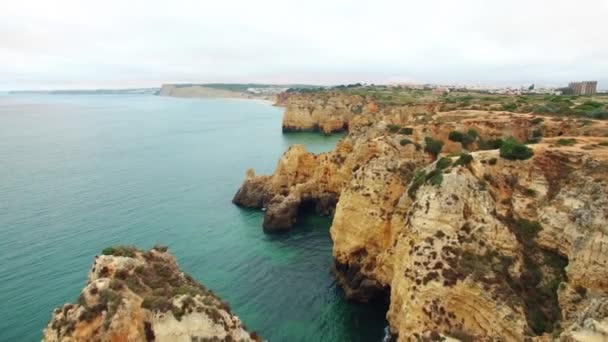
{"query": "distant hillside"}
(241, 87)
(228, 90)
(88, 91)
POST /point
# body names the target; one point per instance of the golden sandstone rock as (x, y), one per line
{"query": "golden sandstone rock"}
(133, 295)
(484, 249)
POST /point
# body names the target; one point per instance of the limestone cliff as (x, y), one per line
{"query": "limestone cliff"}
(134, 295)
(475, 246)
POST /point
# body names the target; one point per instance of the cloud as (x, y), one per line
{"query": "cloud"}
(114, 43)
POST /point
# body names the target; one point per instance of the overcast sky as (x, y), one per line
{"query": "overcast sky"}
(127, 43)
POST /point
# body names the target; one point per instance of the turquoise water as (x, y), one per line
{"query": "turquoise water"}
(79, 173)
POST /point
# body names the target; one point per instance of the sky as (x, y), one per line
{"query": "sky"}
(76, 44)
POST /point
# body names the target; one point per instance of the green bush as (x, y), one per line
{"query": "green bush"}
(492, 161)
(465, 159)
(464, 138)
(406, 130)
(536, 121)
(160, 248)
(126, 251)
(435, 177)
(513, 150)
(597, 114)
(604, 143)
(419, 178)
(491, 144)
(566, 142)
(455, 136)
(443, 163)
(433, 146)
(527, 230)
(393, 128)
(404, 142)
(509, 107)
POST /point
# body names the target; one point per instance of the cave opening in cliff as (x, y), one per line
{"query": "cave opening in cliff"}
(308, 207)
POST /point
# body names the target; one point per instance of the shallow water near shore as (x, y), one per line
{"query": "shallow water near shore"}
(82, 172)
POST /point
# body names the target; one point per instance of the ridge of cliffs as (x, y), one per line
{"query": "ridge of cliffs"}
(466, 244)
(135, 295)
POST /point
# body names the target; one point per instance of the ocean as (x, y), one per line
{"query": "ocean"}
(79, 173)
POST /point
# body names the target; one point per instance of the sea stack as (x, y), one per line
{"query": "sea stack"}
(135, 295)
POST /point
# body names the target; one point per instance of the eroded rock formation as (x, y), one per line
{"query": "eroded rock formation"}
(133, 295)
(474, 248)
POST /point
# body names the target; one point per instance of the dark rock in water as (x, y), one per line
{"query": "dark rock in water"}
(253, 193)
(281, 213)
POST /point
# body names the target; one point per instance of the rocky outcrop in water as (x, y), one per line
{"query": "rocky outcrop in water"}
(134, 295)
(475, 247)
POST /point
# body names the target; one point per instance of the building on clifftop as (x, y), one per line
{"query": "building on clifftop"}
(583, 88)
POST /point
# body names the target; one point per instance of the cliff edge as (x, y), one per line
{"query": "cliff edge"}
(477, 224)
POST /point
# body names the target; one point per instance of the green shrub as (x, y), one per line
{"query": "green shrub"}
(406, 130)
(154, 303)
(465, 159)
(443, 163)
(536, 121)
(509, 107)
(160, 248)
(492, 161)
(464, 138)
(527, 230)
(604, 143)
(433, 146)
(404, 142)
(455, 136)
(393, 128)
(491, 144)
(419, 178)
(513, 150)
(435, 177)
(126, 251)
(597, 114)
(566, 142)
(537, 133)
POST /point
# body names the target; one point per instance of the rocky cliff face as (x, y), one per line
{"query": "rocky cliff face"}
(475, 247)
(133, 295)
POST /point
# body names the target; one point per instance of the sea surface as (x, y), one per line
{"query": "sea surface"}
(82, 172)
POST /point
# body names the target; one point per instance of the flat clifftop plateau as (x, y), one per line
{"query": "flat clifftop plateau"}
(478, 224)
(135, 295)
